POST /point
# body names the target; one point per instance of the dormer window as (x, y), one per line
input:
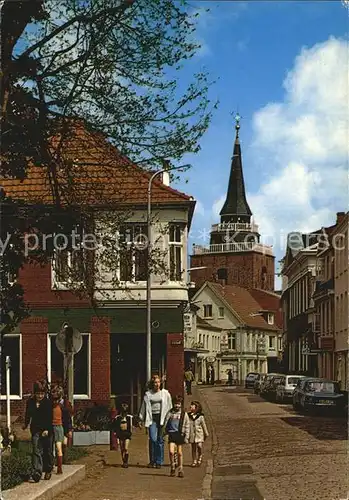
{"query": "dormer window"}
(270, 318)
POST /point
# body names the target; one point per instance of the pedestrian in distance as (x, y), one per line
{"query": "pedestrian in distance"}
(198, 432)
(177, 427)
(122, 425)
(188, 378)
(230, 377)
(61, 423)
(156, 404)
(39, 415)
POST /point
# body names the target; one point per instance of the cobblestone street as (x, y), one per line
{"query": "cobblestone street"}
(267, 451)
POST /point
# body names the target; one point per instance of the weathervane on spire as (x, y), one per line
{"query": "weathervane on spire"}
(237, 118)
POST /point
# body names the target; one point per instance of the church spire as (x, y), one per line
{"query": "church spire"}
(236, 208)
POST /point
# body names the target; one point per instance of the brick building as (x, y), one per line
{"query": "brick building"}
(112, 360)
(235, 254)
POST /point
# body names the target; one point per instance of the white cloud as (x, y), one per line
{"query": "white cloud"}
(199, 208)
(217, 206)
(305, 143)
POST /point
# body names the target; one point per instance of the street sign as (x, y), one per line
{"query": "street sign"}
(188, 323)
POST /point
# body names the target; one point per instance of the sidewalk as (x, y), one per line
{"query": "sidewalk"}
(111, 482)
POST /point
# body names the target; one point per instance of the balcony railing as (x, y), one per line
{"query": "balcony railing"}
(247, 246)
(236, 227)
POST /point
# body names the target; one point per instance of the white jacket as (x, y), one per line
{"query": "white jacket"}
(145, 414)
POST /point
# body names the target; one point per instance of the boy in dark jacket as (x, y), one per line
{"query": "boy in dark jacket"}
(39, 415)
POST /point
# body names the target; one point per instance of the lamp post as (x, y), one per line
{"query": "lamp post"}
(148, 291)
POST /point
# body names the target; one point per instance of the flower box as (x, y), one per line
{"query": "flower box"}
(102, 437)
(84, 438)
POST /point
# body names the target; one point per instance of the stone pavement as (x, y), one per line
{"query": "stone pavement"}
(105, 481)
(266, 451)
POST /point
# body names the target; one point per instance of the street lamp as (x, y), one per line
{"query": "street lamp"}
(148, 291)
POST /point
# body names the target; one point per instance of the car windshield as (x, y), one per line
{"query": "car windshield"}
(252, 375)
(293, 380)
(321, 387)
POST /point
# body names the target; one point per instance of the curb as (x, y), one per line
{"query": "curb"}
(208, 479)
(47, 490)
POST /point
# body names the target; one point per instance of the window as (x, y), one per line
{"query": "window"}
(270, 318)
(232, 341)
(221, 312)
(11, 346)
(68, 266)
(208, 311)
(133, 240)
(280, 343)
(175, 251)
(82, 366)
(272, 343)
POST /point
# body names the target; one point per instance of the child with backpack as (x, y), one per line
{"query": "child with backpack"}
(177, 427)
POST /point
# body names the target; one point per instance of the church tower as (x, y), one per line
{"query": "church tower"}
(235, 254)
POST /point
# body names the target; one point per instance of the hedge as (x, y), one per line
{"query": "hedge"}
(16, 467)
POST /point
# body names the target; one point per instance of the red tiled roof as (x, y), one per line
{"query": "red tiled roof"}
(98, 175)
(269, 301)
(243, 303)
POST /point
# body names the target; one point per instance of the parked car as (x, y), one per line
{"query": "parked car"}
(265, 383)
(285, 389)
(250, 379)
(274, 382)
(258, 382)
(317, 394)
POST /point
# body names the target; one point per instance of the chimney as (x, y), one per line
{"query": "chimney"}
(340, 217)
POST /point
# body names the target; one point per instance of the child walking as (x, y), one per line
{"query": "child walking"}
(122, 426)
(39, 415)
(177, 427)
(198, 432)
(62, 423)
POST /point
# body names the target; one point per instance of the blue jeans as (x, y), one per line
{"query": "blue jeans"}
(156, 442)
(42, 456)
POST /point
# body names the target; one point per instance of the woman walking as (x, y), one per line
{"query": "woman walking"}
(156, 404)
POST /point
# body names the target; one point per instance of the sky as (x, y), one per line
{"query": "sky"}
(284, 66)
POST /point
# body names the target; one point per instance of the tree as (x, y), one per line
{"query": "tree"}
(114, 66)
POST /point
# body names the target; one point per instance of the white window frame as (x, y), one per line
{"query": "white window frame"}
(270, 318)
(133, 281)
(209, 316)
(62, 285)
(176, 244)
(272, 342)
(16, 397)
(220, 314)
(77, 397)
(233, 335)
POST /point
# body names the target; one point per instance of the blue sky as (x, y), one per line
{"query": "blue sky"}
(252, 47)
